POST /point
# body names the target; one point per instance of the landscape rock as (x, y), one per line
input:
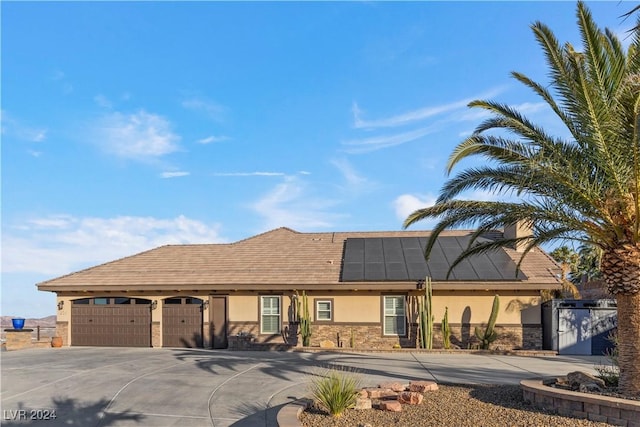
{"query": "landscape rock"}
(422, 386)
(394, 386)
(381, 393)
(362, 403)
(589, 388)
(327, 344)
(393, 406)
(363, 393)
(410, 398)
(577, 378)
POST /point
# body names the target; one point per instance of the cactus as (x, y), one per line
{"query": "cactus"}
(489, 335)
(352, 339)
(302, 309)
(446, 330)
(425, 317)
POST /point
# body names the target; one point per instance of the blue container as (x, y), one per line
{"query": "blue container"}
(17, 323)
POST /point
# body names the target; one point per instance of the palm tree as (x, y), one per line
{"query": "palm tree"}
(583, 188)
(588, 267)
(569, 261)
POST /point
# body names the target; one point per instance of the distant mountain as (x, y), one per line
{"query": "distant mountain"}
(49, 321)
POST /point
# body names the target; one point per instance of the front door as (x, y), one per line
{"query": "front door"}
(219, 322)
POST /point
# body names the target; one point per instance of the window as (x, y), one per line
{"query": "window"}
(394, 315)
(270, 314)
(101, 301)
(324, 312)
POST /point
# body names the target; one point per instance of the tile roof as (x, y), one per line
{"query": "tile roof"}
(278, 259)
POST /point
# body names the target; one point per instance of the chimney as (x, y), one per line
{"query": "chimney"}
(519, 229)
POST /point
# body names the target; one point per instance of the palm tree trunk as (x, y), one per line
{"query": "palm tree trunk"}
(621, 272)
(629, 343)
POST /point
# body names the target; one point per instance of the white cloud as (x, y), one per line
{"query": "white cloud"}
(174, 174)
(61, 78)
(59, 244)
(354, 181)
(102, 101)
(139, 136)
(416, 115)
(212, 139)
(405, 204)
(288, 204)
(249, 174)
(16, 128)
(210, 108)
(366, 145)
(531, 107)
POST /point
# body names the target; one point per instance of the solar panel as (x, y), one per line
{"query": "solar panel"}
(354, 250)
(374, 271)
(402, 259)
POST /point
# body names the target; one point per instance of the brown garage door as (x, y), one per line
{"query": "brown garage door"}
(111, 322)
(182, 322)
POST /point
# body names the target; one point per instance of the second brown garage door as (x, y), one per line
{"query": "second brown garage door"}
(182, 322)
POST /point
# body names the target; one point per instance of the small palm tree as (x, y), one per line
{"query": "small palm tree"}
(584, 188)
(568, 260)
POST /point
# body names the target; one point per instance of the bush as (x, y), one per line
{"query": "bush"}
(610, 373)
(335, 390)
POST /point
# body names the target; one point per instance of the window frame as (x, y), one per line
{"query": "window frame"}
(384, 315)
(316, 309)
(262, 314)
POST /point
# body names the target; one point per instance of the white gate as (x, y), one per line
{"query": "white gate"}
(574, 331)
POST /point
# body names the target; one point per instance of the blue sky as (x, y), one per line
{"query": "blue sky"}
(126, 126)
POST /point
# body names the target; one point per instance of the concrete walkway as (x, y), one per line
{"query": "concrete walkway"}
(88, 386)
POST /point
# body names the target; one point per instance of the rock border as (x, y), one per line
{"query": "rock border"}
(612, 410)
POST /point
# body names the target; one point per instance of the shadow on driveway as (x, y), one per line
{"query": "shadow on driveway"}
(67, 412)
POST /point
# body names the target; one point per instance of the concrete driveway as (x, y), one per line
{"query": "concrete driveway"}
(88, 386)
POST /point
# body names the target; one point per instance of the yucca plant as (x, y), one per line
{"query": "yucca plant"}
(335, 390)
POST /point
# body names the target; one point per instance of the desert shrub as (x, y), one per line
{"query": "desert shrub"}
(610, 372)
(335, 390)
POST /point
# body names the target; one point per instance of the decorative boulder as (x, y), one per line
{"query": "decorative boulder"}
(392, 406)
(362, 403)
(394, 386)
(410, 398)
(577, 379)
(422, 386)
(381, 393)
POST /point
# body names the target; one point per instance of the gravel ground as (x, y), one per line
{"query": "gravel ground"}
(453, 406)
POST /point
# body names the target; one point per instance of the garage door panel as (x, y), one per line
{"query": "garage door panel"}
(182, 323)
(112, 325)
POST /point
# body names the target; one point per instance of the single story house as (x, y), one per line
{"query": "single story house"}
(361, 288)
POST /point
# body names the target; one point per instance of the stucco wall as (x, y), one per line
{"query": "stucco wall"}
(361, 309)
